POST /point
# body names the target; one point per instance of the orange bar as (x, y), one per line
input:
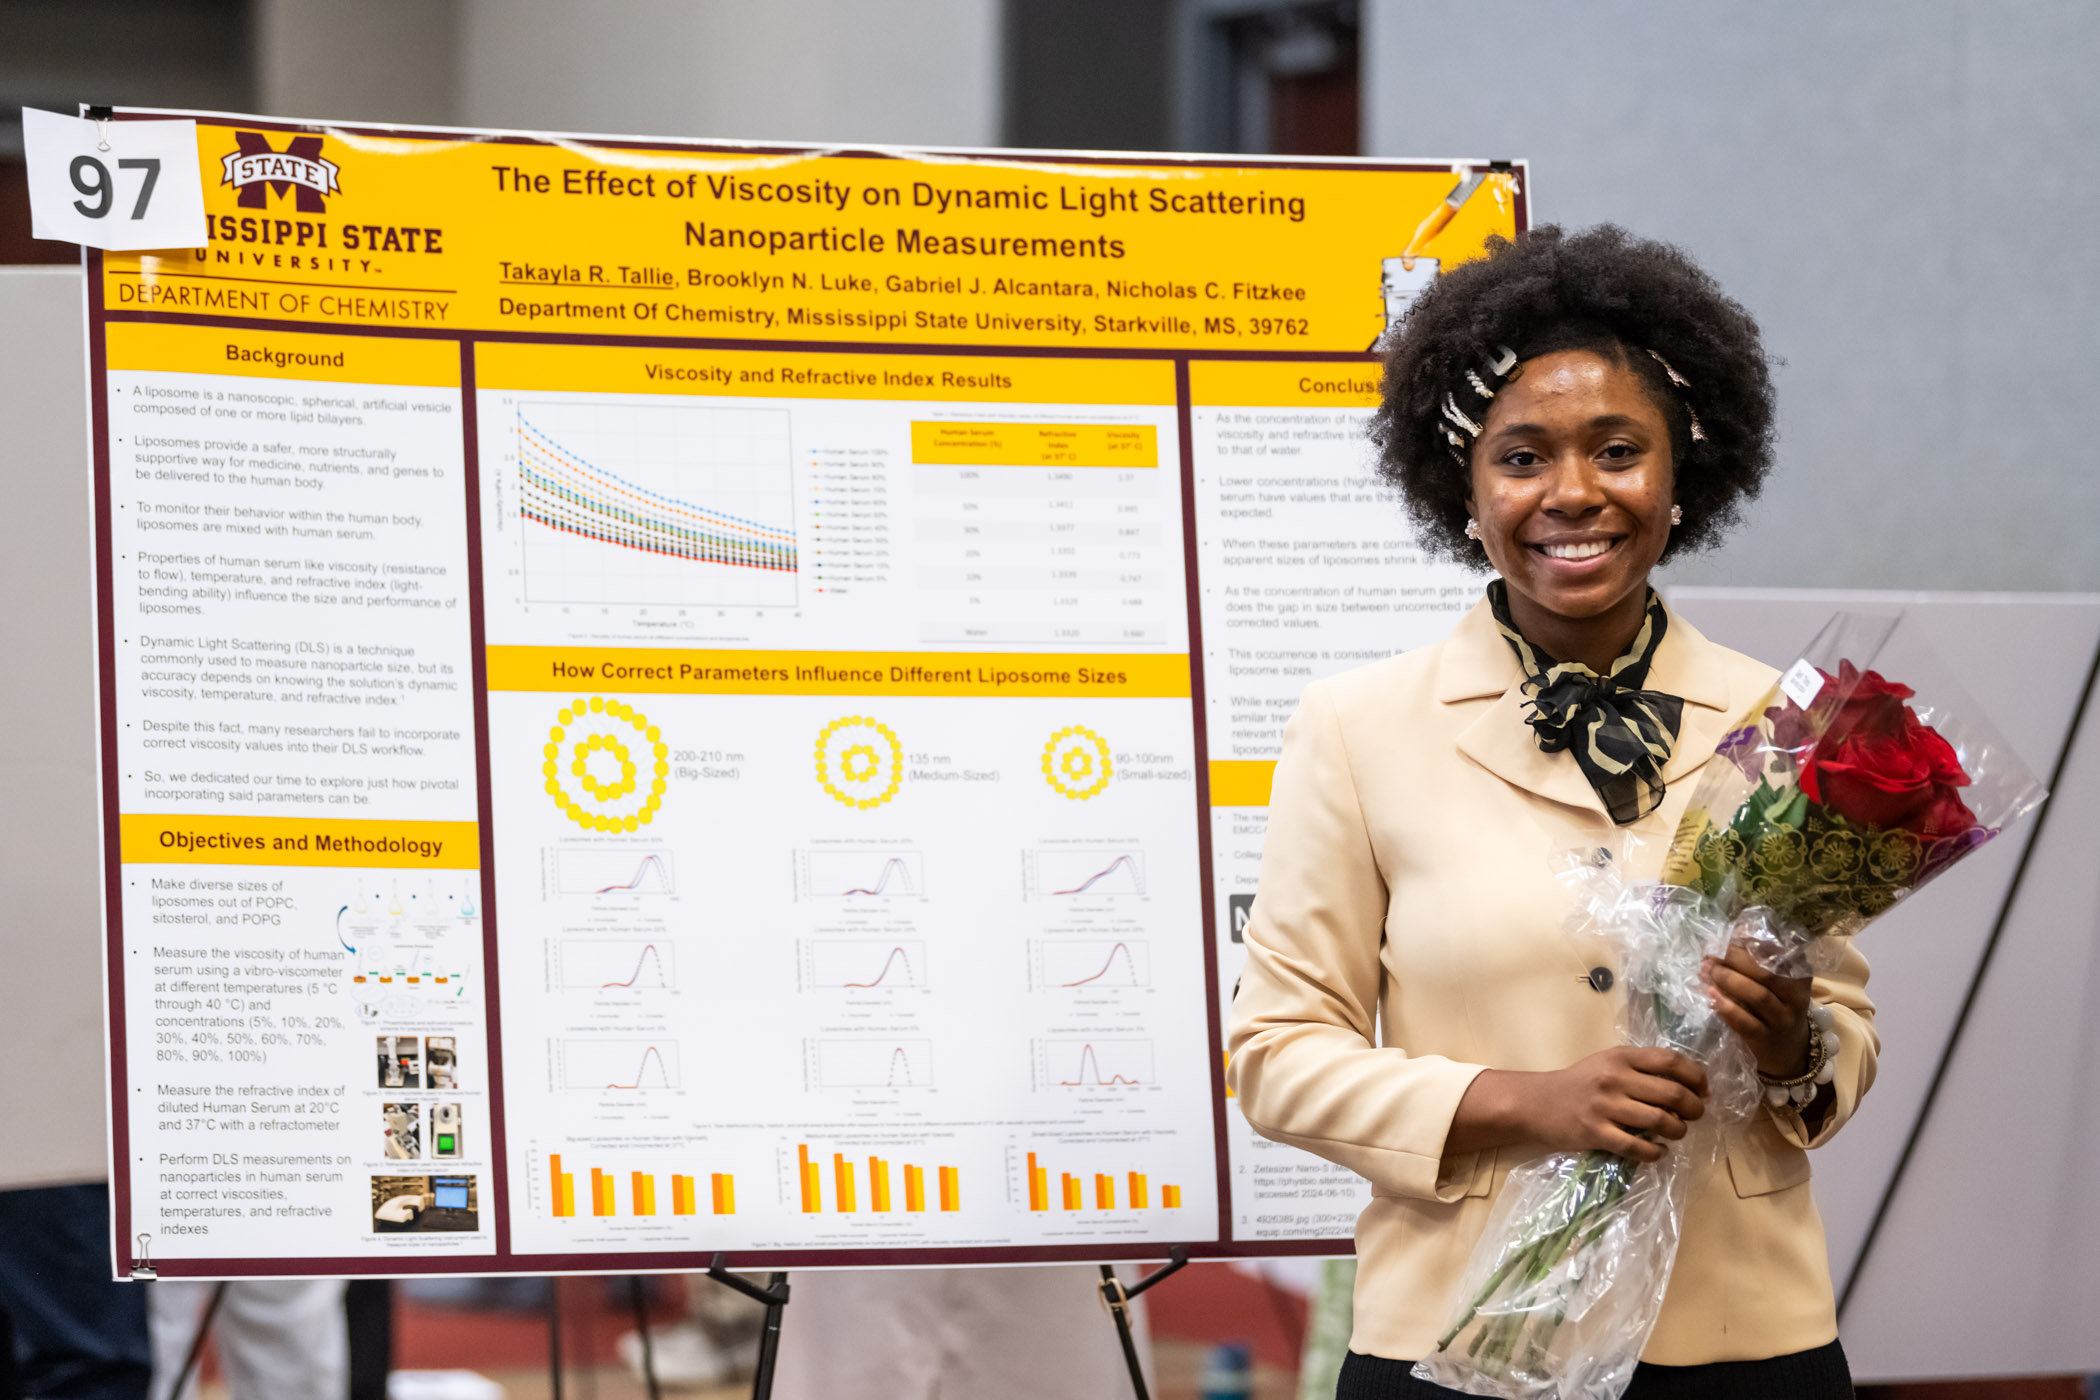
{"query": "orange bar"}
(1139, 1198)
(842, 1173)
(812, 1200)
(1038, 1186)
(563, 1186)
(1170, 1197)
(951, 1189)
(644, 1188)
(1071, 1190)
(601, 1193)
(682, 1202)
(724, 1193)
(914, 1187)
(878, 1184)
(1104, 1191)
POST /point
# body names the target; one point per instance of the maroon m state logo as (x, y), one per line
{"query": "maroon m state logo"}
(258, 172)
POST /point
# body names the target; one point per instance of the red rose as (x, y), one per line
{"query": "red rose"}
(1878, 765)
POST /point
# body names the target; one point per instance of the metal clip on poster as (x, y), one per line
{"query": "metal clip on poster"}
(775, 1297)
(1117, 1297)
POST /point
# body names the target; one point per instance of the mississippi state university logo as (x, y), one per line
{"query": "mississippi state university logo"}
(257, 172)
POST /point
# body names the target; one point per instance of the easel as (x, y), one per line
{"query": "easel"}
(1117, 1298)
(774, 1296)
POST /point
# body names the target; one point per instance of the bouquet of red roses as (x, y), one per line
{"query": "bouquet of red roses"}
(1841, 792)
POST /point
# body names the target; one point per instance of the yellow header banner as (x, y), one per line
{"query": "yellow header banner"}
(701, 240)
(149, 839)
(1241, 782)
(938, 673)
(336, 359)
(1286, 384)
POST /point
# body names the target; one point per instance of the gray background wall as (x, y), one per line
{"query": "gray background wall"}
(1903, 193)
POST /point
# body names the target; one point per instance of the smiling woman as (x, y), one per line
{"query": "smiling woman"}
(1575, 408)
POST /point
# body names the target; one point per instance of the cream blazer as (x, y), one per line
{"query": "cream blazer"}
(1409, 932)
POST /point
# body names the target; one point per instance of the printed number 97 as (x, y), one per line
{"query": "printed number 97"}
(91, 177)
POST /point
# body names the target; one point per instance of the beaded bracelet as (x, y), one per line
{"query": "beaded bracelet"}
(1800, 1090)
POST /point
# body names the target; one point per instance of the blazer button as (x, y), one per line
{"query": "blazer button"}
(1600, 979)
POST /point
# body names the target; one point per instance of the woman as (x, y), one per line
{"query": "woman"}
(1570, 411)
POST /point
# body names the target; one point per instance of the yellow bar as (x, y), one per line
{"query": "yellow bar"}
(1170, 1197)
(812, 1196)
(157, 840)
(1104, 1191)
(724, 1193)
(682, 1202)
(945, 444)
(914, 1187)
(1270, 384)
(583, 671)
(563, 1186)
(644, 1187)
(1139, 1196)
(951, 1189)
(1241, 782)
(339, 359)
(1071, 1190)
(878, 1184)
(601, 1193)
(782, 375)
(1038, 1186)
(842, 1172)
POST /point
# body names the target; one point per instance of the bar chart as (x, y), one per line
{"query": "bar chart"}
(1095, 1190)
(848, 1173)
(641, 1192)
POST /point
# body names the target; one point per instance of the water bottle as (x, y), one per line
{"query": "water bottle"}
(1228, 1373)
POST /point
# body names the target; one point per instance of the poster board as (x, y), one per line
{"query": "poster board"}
(662, 697)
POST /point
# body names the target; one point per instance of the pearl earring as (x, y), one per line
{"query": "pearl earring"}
(1472, 529)
(1677, 515)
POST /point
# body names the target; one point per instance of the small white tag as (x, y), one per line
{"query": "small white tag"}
(145, 191)
(1801, 684)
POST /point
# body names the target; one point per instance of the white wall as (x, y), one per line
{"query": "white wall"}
(1900, 191)
(908, 72)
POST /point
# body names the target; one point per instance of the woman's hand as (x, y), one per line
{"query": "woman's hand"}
(1624, 1100)
(1768, 1011)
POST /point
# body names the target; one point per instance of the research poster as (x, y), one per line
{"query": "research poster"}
(664, 697)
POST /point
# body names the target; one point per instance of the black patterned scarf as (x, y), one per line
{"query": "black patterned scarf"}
(1619, 733)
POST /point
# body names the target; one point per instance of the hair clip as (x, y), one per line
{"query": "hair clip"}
(1675, 378)
(1505, 360)
(1698, 433)
(1479, 385)
(1458, 416)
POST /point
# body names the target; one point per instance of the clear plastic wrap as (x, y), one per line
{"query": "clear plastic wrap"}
(1838, 794)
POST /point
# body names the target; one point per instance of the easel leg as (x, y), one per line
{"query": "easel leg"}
(641, 1327)
(1117, 1297)
(554, 1337)
(775, 1296)
(196, 1352)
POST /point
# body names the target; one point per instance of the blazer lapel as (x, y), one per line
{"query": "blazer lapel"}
(1477, 665)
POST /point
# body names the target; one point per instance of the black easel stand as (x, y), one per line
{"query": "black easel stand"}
(1118, 1299)
(196, 1351)
(775, 1296)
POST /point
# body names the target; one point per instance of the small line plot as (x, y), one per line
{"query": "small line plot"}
(1062, 873)
(872, 1064)
(866, 964)
(625, 964)
(860, 875)
(1092, 1064)
(620, 1066)
(614, 872)
(1092, 962)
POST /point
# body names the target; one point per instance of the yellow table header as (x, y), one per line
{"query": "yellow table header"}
(340, 359)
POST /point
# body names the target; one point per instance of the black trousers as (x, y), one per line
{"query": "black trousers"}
(1820, 1374)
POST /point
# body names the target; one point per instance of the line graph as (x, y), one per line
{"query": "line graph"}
(861, 875)
(655, 502)
(626, 1066)
(872, 1064)
(1092, 1064)
(865, 964)
(1091, 962)
(624, 964)
(1058, 872)
(614, 872)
